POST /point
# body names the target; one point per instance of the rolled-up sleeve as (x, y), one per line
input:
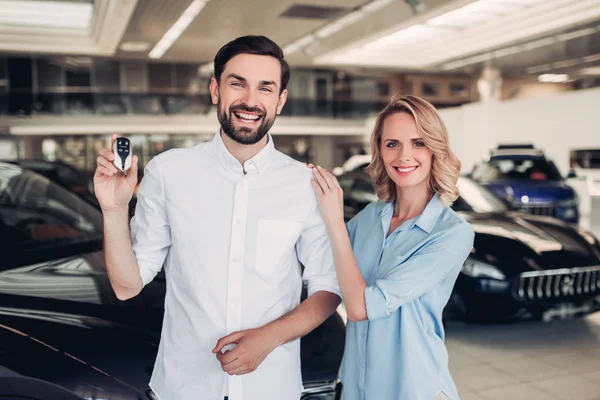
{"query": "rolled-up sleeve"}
(150, 230)
(314, 252)
(409, 280)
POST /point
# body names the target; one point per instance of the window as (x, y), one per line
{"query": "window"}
(458, 90)
(40, 221)
(20, 74)
(107, 76)
(537, 169)
(49, 75)
(159, 77)
(429, 89)
(78, 77)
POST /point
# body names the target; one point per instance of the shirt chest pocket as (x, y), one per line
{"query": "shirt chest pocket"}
(275, 240)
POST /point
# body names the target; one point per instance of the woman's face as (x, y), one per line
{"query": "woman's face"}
(406, 158)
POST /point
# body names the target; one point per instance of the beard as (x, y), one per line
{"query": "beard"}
(243, 135)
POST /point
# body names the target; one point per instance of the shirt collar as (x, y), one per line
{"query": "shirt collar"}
(257, 164)
(428, 217)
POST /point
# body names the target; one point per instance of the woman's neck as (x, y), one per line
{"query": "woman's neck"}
(411, 201)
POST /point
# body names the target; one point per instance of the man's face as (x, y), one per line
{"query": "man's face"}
(248, 97)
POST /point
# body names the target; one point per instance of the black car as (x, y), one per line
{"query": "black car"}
(60, 322)
(75, 180)
(521, 265)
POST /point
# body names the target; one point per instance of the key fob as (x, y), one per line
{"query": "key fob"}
(122, 153)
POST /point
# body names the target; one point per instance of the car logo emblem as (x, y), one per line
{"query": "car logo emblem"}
(566, 286)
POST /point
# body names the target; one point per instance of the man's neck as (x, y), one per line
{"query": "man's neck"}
(243, 152)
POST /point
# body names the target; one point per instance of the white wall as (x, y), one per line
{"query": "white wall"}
(556, 124)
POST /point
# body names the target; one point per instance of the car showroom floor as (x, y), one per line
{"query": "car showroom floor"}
(526, 360)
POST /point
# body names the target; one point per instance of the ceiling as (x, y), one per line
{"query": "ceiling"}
(63, 26)
(524, 21)
(221, 21)
(523, 37)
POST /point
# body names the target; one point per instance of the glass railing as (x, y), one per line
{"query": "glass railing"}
(27, 104)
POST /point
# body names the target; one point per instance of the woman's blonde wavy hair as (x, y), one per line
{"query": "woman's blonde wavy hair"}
(445, 166)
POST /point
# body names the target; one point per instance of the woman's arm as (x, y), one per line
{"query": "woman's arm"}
(331, 204)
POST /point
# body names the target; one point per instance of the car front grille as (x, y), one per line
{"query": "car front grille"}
(538, 209)
(559, 284)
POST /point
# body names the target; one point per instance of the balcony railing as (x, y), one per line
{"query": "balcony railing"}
(82, 103)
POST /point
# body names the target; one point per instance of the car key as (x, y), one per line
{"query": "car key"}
(122, 153)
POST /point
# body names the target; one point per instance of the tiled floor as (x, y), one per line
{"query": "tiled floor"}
(526, 360)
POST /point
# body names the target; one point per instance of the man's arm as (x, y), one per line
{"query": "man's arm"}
(121, 264)
(129, 270)
(254, 345)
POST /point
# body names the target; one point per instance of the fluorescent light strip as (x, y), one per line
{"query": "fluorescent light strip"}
(335, 26)
(53, 14)
(177, 29)
(554, 78)
(477, 13)
(534, 44)
(563, 64)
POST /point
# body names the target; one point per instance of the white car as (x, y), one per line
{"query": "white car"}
(358, 161)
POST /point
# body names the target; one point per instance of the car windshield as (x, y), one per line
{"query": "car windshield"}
(474, 197)
(41, 221)
(537, 169)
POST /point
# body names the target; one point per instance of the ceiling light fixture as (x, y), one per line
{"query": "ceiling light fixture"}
(134, 46)
(430, 40)
(590, 71)
(177, 29)
(47, 14)
(553, 78)
(527, 46)
(563, 64)
(335, 26)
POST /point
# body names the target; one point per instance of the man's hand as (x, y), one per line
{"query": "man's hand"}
(252, 346)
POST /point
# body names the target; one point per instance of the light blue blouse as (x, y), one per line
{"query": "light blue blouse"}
(398, 353)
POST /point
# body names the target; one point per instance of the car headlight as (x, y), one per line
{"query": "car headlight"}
(479, 269)
(574, 202)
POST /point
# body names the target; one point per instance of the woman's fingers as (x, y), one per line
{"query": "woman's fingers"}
(319, 177)
(316, 186)
(332, 183)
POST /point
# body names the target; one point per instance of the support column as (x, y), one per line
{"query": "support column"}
(323, 151)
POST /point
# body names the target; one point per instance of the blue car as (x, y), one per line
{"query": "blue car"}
(523, 176)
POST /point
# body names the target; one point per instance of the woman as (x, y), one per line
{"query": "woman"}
(398, 259)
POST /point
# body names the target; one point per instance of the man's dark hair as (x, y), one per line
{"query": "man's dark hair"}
(259, 45)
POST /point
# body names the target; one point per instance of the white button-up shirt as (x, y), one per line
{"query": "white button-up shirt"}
(231, 244)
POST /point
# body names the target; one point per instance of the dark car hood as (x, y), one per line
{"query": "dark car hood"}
(92, 357)
(77, 289)
(519, 242)
(537, 191)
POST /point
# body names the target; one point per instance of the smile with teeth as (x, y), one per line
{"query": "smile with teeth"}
(405, 169)
(247, 117)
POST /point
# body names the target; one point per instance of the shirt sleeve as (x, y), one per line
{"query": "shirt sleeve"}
(418, 274)
(314, 252)
(150, 230)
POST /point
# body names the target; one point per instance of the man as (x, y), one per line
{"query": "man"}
(231, 220)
